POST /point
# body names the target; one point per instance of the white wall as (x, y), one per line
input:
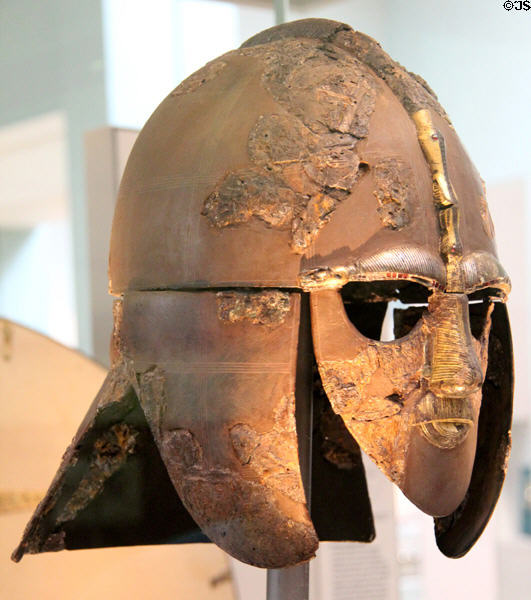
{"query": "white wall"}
(475, 55)
(363, 15)
(51, 62)
(151, 47)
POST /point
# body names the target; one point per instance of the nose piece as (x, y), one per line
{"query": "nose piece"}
(455, 368)
(460, 384)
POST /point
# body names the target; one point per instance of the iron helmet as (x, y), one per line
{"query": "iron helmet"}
(305, 179)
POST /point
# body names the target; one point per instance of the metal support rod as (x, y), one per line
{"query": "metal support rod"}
(281, 11)
(293, 583)
(289, 584)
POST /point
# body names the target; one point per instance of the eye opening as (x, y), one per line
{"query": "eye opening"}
(387, 310)
(405, 319)
(494, 294)
(478, 306)
(384, 310)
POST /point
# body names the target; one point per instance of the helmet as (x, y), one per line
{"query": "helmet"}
(305, 177)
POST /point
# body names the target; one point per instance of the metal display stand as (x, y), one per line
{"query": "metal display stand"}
(281, 11)
(293, 583)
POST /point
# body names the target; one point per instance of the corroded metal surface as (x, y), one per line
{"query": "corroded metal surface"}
(306, 174)
(270, 307)
(111, 487)
(305, 159)
(109, 453)
(220, 403)
(115, 349)
(393, 179)
(406, 400)
(270, 454)
(413, 92)
(197, 79)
